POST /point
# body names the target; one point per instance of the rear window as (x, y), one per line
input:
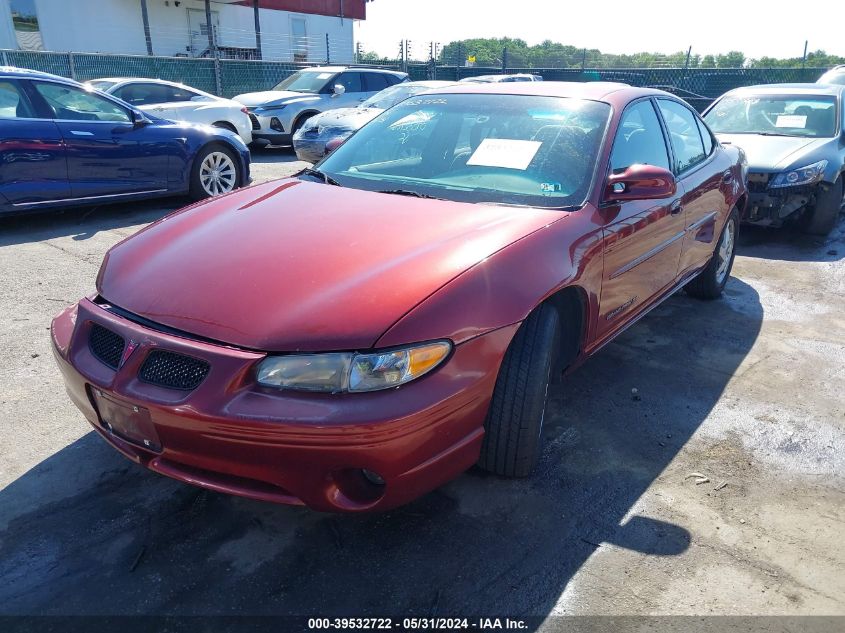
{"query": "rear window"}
(812, 116)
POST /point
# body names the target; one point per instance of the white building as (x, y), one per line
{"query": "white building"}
(288, 30)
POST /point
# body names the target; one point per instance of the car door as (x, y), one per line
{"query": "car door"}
(642, 238)
(703, 182)
(107, 152)
(33, 162)
(355, 90)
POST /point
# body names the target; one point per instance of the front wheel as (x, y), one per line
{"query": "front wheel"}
(823, 216)
(511, 445)
(215, 171)
(710, 282)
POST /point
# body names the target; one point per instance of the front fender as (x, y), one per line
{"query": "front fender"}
(504, 288)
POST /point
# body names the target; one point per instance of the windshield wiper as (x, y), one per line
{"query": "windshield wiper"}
(310, 171)
(406, 192)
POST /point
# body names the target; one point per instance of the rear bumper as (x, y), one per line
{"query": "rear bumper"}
(233, 436)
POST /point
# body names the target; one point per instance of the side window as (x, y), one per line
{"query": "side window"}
(639, 139)
(13, 103)
(684, 134)
(350, 81)
(71, 103)
(175, 94)
(705, 136)
(375, 82)
(142, 94)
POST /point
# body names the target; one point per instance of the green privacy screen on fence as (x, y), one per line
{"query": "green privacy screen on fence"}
(228, 77)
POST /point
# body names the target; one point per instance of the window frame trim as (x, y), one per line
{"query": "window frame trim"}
(679, 173)
(666, 143)
(33, 89)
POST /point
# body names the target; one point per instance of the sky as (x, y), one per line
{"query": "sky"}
(775, 28)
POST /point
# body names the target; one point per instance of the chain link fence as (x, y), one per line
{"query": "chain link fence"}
(228, 77)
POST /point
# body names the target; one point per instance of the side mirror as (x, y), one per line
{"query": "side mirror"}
(640, 182)
(339, 89)
(139, 119)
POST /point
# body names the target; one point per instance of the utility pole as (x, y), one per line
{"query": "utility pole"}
(504, 59)
(145, 16)
(257, 20)
(328, 53)
(804, 59)
(358, 52)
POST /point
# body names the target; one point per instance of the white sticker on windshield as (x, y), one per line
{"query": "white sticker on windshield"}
(791, 120)
(324, 75)
(504, 152)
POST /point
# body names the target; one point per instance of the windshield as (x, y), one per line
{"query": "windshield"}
(779, 115)
(511, 149)
(389, 97)
(101, 84)
(305, 81)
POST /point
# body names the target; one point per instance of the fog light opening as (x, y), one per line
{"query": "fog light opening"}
(276, 125)
(373, 478)
(357, 487)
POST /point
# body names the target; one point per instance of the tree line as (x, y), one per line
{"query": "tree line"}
(516, 53)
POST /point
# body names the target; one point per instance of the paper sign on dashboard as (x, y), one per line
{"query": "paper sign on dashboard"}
(791, 120)
(504, 152)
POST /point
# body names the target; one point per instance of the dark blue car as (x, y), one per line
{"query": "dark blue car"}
(64, 145)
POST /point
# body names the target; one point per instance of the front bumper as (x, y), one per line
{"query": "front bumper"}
(233, 436)
(772, 206)
(270, 128)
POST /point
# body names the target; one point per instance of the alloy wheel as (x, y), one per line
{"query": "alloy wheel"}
(217, 173)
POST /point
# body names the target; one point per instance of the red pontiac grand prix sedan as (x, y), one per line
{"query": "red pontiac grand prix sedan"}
(353, 337)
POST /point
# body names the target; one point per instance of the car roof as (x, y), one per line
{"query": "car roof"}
(338, 69)
(26, 73)
(119, 81)
(809, 89)
(429, 83)
(592, 90)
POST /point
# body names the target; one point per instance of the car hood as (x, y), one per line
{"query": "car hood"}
(273, 98)
(345, 118)
(773, 153)
(293, 265)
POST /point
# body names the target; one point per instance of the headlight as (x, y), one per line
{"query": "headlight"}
(802, 176)
(269, 108)
(347, 371)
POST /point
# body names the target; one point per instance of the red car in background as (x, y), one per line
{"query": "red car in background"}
(358, 335)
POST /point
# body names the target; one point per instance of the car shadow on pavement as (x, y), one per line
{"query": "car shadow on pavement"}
(791, 245)
(86, 532)
(84, 222)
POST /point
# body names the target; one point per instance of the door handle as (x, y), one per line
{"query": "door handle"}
(675, 207)
(81, 133)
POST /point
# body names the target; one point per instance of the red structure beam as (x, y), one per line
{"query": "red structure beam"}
(353, 9)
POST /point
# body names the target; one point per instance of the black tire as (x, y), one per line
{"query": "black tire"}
(821, 219)
(197, 191)
(300, 122)
(512, 442)
(709, 283)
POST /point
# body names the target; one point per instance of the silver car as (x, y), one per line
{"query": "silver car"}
(311, 141)
(278, 113)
